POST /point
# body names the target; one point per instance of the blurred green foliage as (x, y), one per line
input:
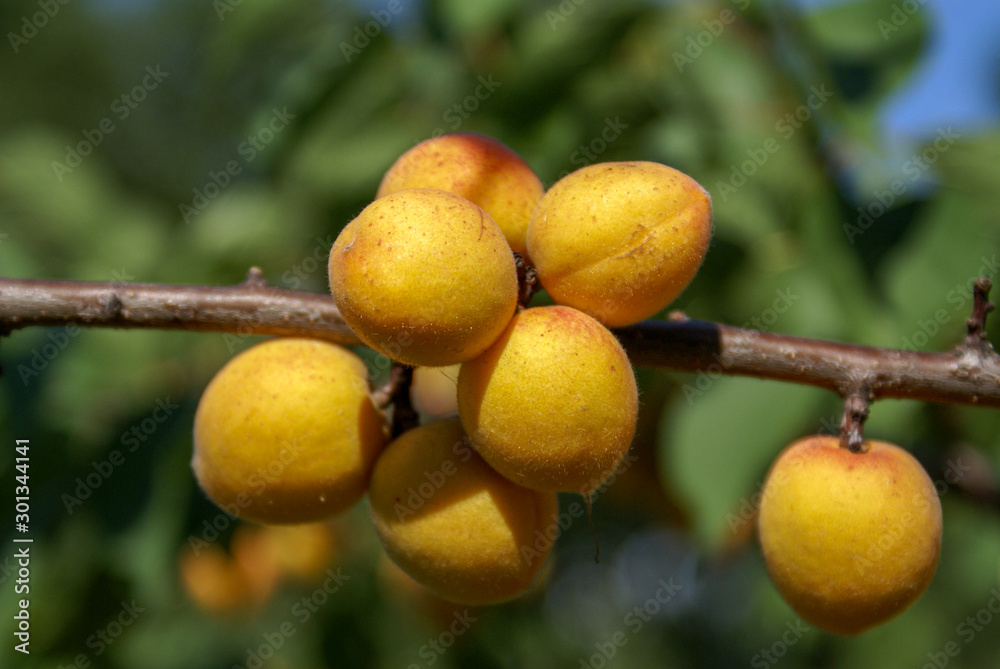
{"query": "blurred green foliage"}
(184, 142)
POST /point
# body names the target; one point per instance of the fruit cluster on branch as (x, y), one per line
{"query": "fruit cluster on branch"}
(439, 270)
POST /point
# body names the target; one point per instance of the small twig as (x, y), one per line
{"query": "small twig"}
(677, 316)
(255, 278)
(853, 423)
(527, 280)
(976, 338)
(396, 393)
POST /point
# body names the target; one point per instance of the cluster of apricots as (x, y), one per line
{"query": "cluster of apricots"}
(546, 399)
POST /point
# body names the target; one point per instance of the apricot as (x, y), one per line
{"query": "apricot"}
(424, 277)
(478, 168)
(552, 404)
(620, 241)
(286, 432)
(214, 583)
(302, 552)
(433, 391)
(850, 539)
(452, 523)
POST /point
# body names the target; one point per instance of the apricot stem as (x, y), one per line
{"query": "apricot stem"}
(527, 280)
(396, 393)
(852, 424)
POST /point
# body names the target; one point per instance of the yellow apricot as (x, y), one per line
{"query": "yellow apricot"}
(850, 539)
(286, 432)
(620, 241)
(303, 551)
(552, 405)
(424, 277)
(433, 391)
(452, 523)
(478, 168)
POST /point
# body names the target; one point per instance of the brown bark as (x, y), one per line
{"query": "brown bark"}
(970, 374)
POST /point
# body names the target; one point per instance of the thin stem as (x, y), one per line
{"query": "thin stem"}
(962, 376)
(527, 280)
(396, 393)
(852, 424)
(981, 305)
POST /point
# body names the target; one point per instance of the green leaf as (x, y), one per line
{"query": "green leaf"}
(929, 279)
(867, 29)
(717, 442)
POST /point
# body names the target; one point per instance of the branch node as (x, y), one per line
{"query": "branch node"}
(255, 278)
(976, 340)
(852, 424)
(113, 305)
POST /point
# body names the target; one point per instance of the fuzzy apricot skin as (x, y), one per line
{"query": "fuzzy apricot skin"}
(286, 432)
(552, 405)
(452, 523)
(478, 168)
(850, 539)
(620, 240)
(424, 277)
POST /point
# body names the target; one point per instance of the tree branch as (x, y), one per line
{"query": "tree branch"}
(967, 375)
